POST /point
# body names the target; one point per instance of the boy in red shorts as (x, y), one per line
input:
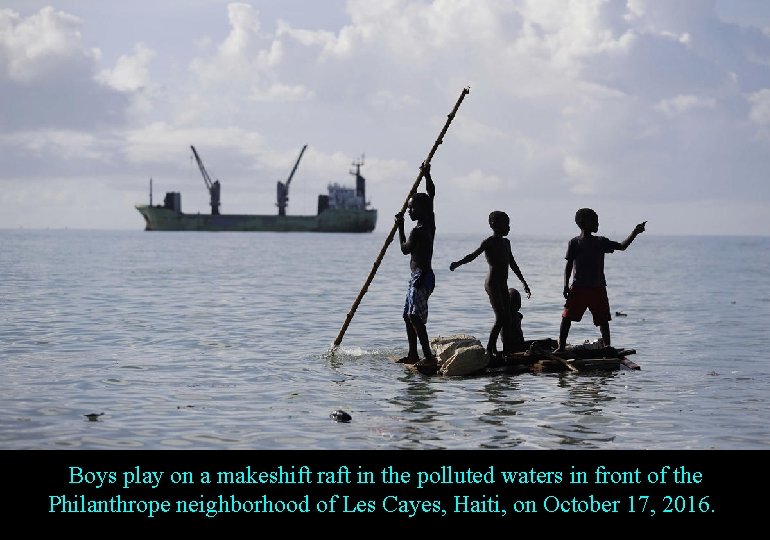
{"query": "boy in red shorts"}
(585, 255)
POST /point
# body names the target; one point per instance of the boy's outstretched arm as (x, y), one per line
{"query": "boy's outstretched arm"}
(639, 229)
(517, 271)
(567, 275)
(468, 258)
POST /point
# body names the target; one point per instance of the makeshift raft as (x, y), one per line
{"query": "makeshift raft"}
(462, 355)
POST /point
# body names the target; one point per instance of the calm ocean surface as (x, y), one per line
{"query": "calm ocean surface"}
(220, 340)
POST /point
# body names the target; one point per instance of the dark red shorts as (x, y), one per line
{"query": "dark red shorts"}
(591, 298)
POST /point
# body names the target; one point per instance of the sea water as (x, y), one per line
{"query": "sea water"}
(195, 340)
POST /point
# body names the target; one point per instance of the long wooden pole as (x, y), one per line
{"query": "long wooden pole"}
(392, 233)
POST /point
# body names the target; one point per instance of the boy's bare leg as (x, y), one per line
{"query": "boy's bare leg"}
(411, 336)
(428, 364)
(492, 343)
(563, 333)
(604, 328)
(501, 306)
(422, 334)
(507, 331)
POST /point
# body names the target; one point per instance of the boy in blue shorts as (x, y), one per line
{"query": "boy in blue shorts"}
(585, 256)
(422, 280)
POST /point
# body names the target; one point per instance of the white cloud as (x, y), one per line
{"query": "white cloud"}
(64, 144)
(240, 56)
(478, 181)
(682, 104)
(44, 44)
(624, 103)
(159, 141)
(282, 92)
(760, 107)
(131, 71)
(47, 74)
(244, 22)
(580, 177)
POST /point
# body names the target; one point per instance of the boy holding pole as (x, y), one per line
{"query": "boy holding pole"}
(422, 280)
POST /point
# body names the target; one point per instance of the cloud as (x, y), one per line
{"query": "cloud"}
(478, 181)
(131, 72)
(681, 104)
(282, 92)
(43, 46)
(573, 102)
(64, 143)
(580, 177)
(244, 55)
(47, 75)
(760, 107)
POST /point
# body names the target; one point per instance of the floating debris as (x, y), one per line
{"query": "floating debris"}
(619, 314)
(93, 417)
(340, 416)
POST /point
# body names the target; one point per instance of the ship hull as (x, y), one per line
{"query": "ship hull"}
(158, 218)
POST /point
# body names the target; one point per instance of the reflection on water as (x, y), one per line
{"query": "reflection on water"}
(586, 393)
(587, 399)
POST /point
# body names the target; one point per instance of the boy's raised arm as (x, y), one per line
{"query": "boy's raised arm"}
(430, 187)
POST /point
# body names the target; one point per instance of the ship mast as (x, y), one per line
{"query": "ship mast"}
(360, 181)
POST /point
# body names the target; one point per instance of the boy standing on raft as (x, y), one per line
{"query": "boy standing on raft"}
(585, 255)
(422, 280)
(497, 249)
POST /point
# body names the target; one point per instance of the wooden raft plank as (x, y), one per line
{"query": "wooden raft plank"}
(628, 363)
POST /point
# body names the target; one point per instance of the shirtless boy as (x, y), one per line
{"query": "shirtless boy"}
(422, 280)
(497, 249)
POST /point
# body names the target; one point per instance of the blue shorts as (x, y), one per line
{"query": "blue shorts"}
(421, 285)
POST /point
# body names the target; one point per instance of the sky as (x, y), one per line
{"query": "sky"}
(644, 110)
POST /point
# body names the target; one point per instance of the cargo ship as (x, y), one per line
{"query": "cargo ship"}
(342, 209)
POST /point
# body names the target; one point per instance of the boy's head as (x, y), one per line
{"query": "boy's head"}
(587, 219)
(499, 221)
(419, 206)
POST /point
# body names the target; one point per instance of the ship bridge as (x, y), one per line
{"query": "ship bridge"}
(345, 197)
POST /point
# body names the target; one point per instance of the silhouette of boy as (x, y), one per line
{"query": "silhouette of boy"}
(497, 249)
(422, 280)
(518, 334)
(585, 256)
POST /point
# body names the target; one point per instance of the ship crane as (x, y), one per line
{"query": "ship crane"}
(283, 188)
(213, 187)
